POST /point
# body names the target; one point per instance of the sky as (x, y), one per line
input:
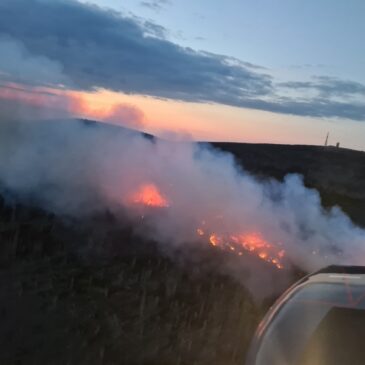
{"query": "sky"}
(262, 71)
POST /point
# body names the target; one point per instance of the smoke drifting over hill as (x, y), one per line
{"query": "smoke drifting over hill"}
(78, 169)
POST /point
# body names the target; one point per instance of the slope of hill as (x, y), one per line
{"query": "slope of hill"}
(92, 292)
(337, 173)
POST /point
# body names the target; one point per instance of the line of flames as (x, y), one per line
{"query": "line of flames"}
(150, 196)
(251, 242)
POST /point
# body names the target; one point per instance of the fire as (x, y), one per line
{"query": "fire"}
(149, 195)
(200, 232)
(263, 255)
(253, 243)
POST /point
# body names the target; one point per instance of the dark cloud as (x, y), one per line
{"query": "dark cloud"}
(315, 107)
(98, 48)
(328, 86)
(155, 5)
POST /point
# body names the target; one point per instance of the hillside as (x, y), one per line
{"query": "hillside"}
(93, 292)
(337, 173)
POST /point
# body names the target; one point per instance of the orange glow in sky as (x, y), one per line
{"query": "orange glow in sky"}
(195, 121)
(215, 122)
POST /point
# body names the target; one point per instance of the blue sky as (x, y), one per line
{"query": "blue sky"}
(256, 71)
(291, 37)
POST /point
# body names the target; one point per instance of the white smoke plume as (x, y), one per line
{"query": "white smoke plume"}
(19, 66)
(78, 169)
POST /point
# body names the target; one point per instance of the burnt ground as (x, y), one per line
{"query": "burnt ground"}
(94, 293)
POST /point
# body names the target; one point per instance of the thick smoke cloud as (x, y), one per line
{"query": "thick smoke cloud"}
(99, 48)
(126, 115)
(19, 102)
(78, 169)
(19, 66)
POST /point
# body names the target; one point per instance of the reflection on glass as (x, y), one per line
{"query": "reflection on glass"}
(318, 323)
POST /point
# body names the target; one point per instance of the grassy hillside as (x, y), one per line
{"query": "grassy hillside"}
(94, 293)
(90, 293)
(337, 173)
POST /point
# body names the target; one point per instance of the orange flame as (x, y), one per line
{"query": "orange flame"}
(215, 240)
(253, 243)
(200, 232)
(149, 195)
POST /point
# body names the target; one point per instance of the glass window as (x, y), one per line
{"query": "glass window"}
(320, 324)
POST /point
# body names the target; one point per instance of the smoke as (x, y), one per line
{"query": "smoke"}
(79, 169)
(126, 115)
(20, 66)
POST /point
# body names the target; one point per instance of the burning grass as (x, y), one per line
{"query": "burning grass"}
(253, 243)
(149, 195)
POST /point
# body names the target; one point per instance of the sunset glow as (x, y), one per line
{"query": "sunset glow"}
(168, 118)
